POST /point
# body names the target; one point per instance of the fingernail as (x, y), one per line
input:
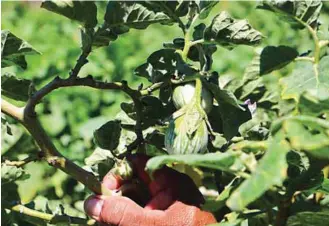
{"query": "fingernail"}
(93, 207)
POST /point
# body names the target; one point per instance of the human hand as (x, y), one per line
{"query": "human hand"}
(175, 200)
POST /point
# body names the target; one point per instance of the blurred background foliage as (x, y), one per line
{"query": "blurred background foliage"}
(71, 115)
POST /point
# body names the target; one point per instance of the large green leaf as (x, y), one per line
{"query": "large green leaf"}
(83, 11)
(295, 12)
(15, 88)
(228, 161)
(108, 135)
(229, 32)
(273, 58)
(270, 171)
(303, 78)
(120, 16)
(14, 49)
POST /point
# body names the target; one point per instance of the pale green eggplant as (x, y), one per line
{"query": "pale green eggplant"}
(183, 94)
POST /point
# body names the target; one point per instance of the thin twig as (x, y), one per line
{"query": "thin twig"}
(58, 82)
(22, 163)
(50, 218)
(80, 63)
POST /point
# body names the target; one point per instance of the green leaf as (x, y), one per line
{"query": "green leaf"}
(15, 88)
(232, 119)
(108, 135)
(12, 173)
(100, 156)
(273, 58)
(314, 102)
(223, 96)
(308, 134)
(218, 140)
(295, 12)
(228, 161)
(14, 49)
(229, 32)
(303, 78)
(213, 205)
(205, 7)
(84, 12)
(270, 171)
(121, 16)
(173, 9)
(309, 218)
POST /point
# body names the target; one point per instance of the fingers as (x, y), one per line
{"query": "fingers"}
(112, 181)
(161, 201)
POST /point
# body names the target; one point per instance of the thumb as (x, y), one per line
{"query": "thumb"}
(114, 210)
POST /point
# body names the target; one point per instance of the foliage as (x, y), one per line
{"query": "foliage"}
(263, 145)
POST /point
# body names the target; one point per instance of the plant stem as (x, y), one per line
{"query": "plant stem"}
(193, 43)
(50, 217)
(311, 59)
(80, 63)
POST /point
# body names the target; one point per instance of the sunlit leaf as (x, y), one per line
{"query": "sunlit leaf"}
(83, 11)
(228, 161)
(304, 78)
(295, 12)
(14, 50)
(121, 16)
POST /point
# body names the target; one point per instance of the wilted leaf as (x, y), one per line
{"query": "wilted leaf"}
(14, 49)
(83, 11)
(108, 135)
(273, 58)
(264, 177)
(15, 88)
(229, 32)
(228, 161)
(294, 12)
